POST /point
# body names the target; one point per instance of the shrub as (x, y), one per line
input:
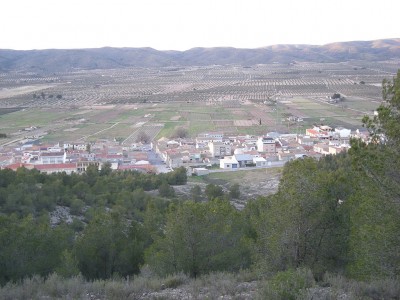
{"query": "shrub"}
(165, 190)
(175, 280)
(288, 285)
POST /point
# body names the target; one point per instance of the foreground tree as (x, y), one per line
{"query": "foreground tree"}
(375, 208)
(30, 247)
(304, 223)
(200, 238)
(109, 245)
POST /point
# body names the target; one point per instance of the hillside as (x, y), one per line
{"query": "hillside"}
(52, 60)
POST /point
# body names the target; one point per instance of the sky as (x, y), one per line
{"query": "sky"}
(185, 24)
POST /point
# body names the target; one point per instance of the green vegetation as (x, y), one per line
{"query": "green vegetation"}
(240, 176)
(200, 238)
(169, 129)
(113, 206)
(333, 222)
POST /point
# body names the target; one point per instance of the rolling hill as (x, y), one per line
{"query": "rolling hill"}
(54, 60)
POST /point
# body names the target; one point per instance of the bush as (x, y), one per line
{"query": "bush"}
(234, 191)
(213, 191)
(175, 280)
(76, 206)
(288, 285)
(165, 190)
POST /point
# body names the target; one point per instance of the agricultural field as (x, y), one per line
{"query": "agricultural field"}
(121, 103)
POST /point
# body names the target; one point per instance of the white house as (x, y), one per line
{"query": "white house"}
(228, 162)
(244, 159)
(343, 132)
(260, 161)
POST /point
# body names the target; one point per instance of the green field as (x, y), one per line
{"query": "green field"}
(122, 121)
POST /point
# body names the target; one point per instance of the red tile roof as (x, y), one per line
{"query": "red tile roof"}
(15, 166)
(54, 166)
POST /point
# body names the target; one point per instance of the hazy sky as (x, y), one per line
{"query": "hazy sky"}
(184, 24)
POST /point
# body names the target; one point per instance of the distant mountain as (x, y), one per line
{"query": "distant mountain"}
(107, 58)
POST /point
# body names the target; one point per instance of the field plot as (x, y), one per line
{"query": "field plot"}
(151, 130)
(194, 117)
(35, 117)
(224, 123)
(88, 105)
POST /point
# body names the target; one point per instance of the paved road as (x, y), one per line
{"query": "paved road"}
(157, 162)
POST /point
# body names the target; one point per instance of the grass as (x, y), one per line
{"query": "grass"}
(130, 114)
(238, 176)
(245, 284)
(31, 117)
(169, 128)
(197, 127)
(211, 286)
(164, 115)
(119, 130)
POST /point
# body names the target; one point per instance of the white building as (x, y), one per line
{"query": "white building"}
(343, 132)
(228, 162)
(260, 161)
(266, 144)
(212, 136)
(201, 171)
(52, 158)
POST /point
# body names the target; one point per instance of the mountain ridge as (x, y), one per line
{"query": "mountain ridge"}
(52, 60)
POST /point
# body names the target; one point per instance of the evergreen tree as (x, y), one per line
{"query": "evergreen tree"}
(200, 238)
(109, 245)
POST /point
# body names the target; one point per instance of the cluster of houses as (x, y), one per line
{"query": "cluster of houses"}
(74, 157)
(233, 152)
(211, 149)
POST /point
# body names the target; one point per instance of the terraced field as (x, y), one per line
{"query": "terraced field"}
(87, 105)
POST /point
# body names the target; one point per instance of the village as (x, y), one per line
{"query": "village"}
(207, 152)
